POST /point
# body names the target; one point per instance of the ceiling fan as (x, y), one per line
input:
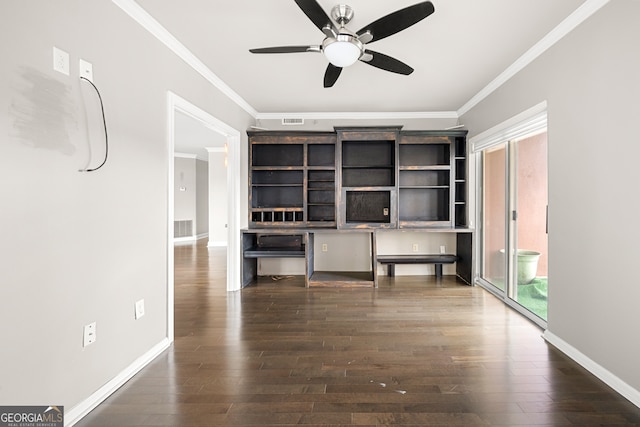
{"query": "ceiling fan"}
(343, 47)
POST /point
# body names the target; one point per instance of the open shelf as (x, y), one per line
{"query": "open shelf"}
(321, 155)
(283, 196)
(424, 178)
(424, 155)
(277, 155)
(424, 205)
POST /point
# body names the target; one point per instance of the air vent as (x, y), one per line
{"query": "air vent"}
(292, 122)
(183, 228)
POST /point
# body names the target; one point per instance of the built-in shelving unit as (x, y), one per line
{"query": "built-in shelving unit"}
(292, 179)
(353, 180)
(425, 189)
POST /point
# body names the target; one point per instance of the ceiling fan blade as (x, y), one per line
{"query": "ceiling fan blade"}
(331, 75)
(398, 21)
(387, 63)
(315, 13)
(286, 49)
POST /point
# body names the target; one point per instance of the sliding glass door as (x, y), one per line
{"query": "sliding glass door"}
(530, 224)
(513, 222)
(494, 207)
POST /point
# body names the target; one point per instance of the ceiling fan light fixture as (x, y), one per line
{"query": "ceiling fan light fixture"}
(342, 51)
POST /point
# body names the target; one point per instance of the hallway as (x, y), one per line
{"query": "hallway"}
(415, 352)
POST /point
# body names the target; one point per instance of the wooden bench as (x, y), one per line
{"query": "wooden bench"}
(437, 259)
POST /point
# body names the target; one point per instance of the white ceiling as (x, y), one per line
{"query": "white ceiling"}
(455, 52)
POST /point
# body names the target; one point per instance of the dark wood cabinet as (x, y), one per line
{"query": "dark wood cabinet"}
(426, 187)
(292, 179)
(357, 179)
(367, 165)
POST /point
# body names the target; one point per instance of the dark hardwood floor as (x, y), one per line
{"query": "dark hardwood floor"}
(417, 351)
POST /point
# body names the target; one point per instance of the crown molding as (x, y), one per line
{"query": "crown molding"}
(142, 17)
(216, 149)
(359, 115)
(185, 155)
(581, 14)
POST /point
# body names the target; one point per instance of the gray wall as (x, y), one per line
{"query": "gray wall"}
(202, 197)
(185, 190)
(83, 247)
(590, 80)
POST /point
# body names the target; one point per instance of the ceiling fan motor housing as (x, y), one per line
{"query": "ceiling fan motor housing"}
(342, 14)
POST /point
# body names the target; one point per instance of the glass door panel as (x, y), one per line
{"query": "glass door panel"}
(494, 216)
(530, 203)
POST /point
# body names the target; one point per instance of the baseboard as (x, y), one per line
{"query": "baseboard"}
(189, 239)
(212, 244)
(83, 408)
(606, 376)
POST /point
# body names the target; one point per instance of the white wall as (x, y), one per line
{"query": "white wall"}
(218, 206)
(83, 247)
(590, 82)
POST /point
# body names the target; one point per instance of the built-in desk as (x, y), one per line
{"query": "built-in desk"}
(299, 243)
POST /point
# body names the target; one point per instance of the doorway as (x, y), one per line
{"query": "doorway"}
(512, 211)
(232, 137)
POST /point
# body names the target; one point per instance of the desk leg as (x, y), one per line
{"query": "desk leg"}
(438, 270)
(391, 270)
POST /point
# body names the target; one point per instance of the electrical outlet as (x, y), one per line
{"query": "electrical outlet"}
(325, 248)
(443, 249)
(86, 70)
(415, 247)
(60, 61)
(89, 334)
(139, 309)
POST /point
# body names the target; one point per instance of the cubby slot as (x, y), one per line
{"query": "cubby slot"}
(321, 155)
(368, 177)
(461, 147)
(423, 204)
(321, 197)
(327, 176)
(461, 168)
(274, 197)
(424, 178)
(461, 192)
(368, 206)
(322, 213)
(461, 215)
(321, 185)
(277, 155)
(424, 155)
(265, 177)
